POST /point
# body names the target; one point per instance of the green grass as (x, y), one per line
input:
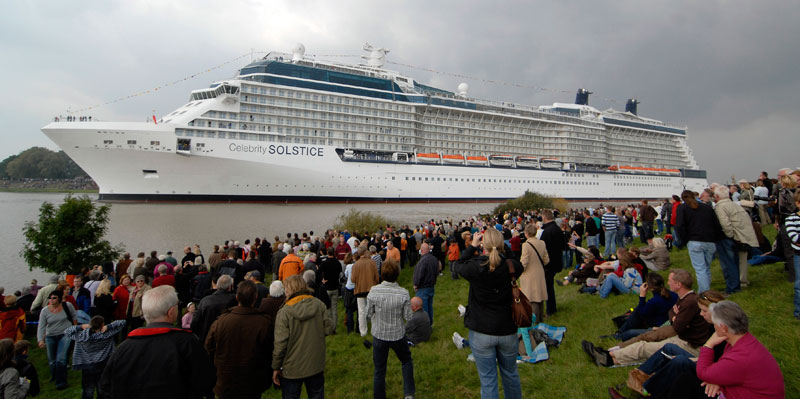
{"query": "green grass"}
(46, 190)
(442, 371)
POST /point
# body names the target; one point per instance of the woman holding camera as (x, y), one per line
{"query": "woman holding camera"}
(492, 332)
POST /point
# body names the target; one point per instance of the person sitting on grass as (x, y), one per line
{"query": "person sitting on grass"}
(624, 278)
(658, 375)
(11, 385)
(418, 329)
(686, 322)
(94, 343)
(591, 258)
(26, 369)
(649, 314)
(656, 257)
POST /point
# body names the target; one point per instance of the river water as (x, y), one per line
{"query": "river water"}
(172, 226)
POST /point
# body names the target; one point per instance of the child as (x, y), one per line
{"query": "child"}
(25, 368)
(453, 252)
(94, 343)
(186, 321)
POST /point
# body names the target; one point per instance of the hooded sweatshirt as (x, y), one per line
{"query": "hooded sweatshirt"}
(300, 330)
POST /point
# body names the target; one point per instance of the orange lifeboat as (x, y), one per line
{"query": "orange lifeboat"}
(453, 159)
(477, 160)
(431, 157)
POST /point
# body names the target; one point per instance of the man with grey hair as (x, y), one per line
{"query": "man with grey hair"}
(44, 293)
(738, 230)
(159, 360)
(212, 306)
(746, 369)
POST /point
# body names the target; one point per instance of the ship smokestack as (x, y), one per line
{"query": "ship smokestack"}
(630, 106)
(582, 98)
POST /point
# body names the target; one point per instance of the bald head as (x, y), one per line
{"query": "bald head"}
(424, 248)
(416, 303)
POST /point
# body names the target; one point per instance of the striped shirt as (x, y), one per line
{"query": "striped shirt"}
(388, 304)
(793, 231)
(610, 221)
(92, 348)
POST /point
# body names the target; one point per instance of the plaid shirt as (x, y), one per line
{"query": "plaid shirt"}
(388, 304)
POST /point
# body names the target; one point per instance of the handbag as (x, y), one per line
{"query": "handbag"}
(521, 310)
(350, 299)
(747, 203)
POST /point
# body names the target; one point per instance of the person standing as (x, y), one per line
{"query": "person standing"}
(331, 269)
(554, 241)
(159, 360)
(298, 357)
(793, 232)
(388, 305)
(532, 282)
(610, 223)
(647, 215)
(364, 275)
(240, 343)
(212, 306)
(54, 320)
(94, 343)
(492, 332)
(738, 230)
(425, 273)
(698, 226)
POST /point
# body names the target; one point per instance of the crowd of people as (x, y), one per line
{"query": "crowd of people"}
(216, 325)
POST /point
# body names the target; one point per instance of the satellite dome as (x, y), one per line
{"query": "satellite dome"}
(298, 51)
(462, 89)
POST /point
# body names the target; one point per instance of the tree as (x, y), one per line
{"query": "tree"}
(40, 163)
(68, 237)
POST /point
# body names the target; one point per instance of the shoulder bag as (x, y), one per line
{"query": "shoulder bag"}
(521, 310)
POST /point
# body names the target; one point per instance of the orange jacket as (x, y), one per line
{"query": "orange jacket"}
(12, 323)
(453, 252)
(290, 265)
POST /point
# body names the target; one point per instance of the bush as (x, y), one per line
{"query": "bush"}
(68, 237)
(531, 201)
(358, 221)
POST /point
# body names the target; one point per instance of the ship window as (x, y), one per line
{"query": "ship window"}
(108, 142)
(131, 142)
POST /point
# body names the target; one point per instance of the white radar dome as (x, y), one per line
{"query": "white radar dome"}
(462, 89)
(298, 51)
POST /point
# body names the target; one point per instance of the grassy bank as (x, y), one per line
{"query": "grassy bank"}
(442, 371)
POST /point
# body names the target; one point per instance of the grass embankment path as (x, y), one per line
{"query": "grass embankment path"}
(442, 371)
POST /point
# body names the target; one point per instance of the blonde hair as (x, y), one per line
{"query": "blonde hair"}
(295, 284)
(787, 181)
(658, 242)
(493, 244)
(104, 288)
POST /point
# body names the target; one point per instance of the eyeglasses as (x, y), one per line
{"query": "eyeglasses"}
(53, 297)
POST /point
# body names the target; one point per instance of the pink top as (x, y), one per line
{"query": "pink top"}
(746, 370)
(186, 321)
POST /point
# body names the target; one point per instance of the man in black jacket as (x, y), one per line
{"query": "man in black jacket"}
(160, 360)
(554, 241)
(212, 306)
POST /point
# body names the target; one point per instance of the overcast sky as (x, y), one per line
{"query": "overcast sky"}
(728, 70)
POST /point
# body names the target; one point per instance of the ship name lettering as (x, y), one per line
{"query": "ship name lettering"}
(273, 149)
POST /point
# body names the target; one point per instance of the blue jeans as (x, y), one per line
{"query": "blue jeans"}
(593, 240)
(659, 226)
(701, 253)
(566, 259)
(380, 352)
(489, 352)
(797, 286)
(426, 294)
(57, 348)
(611, 243)
(729, 261)
(612, 281)
(315, 387)
(665, 370)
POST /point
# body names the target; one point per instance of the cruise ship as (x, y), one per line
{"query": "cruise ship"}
(290, 127)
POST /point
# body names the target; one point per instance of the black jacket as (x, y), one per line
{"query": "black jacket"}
(489, 306)
(330, 270)
(200, 284)
(699, 224)
(209, 309)
(158, 361)
(553, 239)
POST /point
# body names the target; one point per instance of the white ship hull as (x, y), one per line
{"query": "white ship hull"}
(246, 170)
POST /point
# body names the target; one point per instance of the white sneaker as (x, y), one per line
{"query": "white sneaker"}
(461, 310)
(471, 358)
(458, 340)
